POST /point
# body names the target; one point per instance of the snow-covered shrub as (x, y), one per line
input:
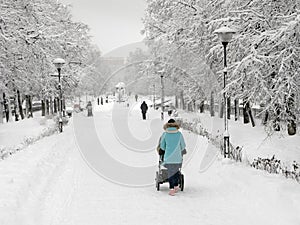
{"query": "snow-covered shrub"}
(29, 140)
(3, 152)
(49, 131)
(65, 120)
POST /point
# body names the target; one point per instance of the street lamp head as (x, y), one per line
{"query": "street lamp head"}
(58, 62)
(225, 34)
(161, 72)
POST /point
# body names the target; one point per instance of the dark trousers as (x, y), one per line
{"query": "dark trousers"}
(144, 115)
(90, 113)
(173, 174)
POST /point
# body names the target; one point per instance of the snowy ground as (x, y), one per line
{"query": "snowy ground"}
(254, 140)
(13, 134)
(52, 183)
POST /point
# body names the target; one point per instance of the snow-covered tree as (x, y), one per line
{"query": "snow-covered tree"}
(32, 34)
(263, 58)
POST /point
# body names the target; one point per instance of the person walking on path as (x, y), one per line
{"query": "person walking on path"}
(173, 145)
(89, 108)
(144, 108)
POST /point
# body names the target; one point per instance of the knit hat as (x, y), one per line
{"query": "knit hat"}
(171, 121)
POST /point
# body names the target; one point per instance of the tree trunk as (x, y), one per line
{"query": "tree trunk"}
(202, 107)
(189, 106)
(276, 121)
(236, 109)
(27, 106)
(55, 105)
(291, 126)
(58, 105)
(1, 107)
(51, 105)
(182, 100)
(20, 105)
(248, 114)
(194, 106)
(265, 118)
(228, 107)
(63, 103)
(16, 108)
(30, 113)
(245, 112)
(43, 107)
(251, 116)
(212, 104)
(221, 109)
(47, 107)
(6, 108)
(10, 115)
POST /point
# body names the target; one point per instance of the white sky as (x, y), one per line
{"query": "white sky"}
(113, 23)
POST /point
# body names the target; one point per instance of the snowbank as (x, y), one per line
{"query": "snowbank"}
(15, 136)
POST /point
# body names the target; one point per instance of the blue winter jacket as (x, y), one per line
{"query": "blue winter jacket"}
(173, 144)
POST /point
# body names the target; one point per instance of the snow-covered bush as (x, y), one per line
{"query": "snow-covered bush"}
(65, 120)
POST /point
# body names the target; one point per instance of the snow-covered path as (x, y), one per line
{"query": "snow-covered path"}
(57, 186)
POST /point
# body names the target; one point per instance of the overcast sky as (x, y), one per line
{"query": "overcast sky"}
(113, 23)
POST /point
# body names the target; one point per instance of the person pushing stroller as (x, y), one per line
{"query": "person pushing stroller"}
(172, 146)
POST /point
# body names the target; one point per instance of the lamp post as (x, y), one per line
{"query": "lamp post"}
(225, 35)
(58, 64)
(162, 95)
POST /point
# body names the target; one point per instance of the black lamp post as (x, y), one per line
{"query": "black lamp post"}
(225, 34)
(162, 94)
(58, 64)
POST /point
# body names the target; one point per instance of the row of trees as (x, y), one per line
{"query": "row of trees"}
(32, 34)
(263, 57)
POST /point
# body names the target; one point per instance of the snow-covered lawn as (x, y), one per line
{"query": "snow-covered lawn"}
(51, 183)
(13, 134)
(254, 140)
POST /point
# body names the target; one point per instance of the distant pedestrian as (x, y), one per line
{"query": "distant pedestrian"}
(101, 100)
(144, 108)
(136, 97)
(98, 100)
(89, 108)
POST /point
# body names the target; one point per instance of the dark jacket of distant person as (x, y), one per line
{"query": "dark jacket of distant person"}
(144, 107)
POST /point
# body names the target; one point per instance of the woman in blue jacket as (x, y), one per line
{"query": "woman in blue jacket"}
(173, 145)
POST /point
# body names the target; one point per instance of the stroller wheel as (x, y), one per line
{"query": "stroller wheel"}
(181, 182)
(157, 181)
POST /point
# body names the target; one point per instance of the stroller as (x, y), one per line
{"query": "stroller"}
(162, 175)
